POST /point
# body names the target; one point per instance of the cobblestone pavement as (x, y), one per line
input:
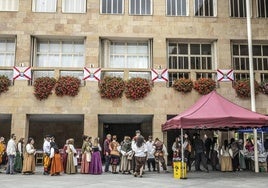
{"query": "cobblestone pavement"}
(243, 179)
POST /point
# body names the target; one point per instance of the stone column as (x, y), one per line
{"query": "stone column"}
(20, 125)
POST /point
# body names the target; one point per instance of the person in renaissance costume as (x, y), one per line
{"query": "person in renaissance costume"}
(126, 155)
(160, 152)
(46, 154)
(71, 165)
(56, 163)
(96, 164)
(115, 155)
(29, 158)
(140, 150)
(19, 156)
(86, 155)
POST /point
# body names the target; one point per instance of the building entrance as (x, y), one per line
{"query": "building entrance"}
(5, 126)
(62, 127)
(124, 125)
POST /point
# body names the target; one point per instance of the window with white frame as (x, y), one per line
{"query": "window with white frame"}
(59, 53)
(140, 7)
(177, 7)
(205, 8)
(7, 52)
(238, 8)
(112, 6)
(44, 5)
(241, 59)
(128, 54)
(74, 6)
(262, 8)
(9, 5)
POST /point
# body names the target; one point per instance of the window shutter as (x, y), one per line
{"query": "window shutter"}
(74, 6)
(44, 5)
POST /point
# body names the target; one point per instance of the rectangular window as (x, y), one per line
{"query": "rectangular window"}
(74, 6)
(262, 8)
(44, 5)
(112, 6)
(130, 54)
(238, 8)
(7, 52)
(9, 5)
(241, 59)
(189, 56)
(59, 53)
(140, 7)
(177, 7)
(205, 7)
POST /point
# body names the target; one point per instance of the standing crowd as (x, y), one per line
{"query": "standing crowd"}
(127, 157)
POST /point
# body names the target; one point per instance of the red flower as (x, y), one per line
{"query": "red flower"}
(67, 85)
(137, 88)
(112, 87)
(43, 87)
(242, 88)
(204, 85)
(183, 85)
(4, 83)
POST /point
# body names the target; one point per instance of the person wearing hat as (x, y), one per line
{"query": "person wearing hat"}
(46, 154)
(115, 155)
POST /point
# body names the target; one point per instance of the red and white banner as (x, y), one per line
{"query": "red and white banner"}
(159, 75)
(22, 73)
(225, 75)
(92, 74)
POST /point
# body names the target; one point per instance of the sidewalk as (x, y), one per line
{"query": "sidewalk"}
(243, 179)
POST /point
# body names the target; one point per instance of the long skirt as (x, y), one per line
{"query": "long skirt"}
(96, 164)
(64, 161)
(18, 163)
(226, 164)
(46, 162)
(70, 167)
(56, 165)
(125, 165)
(85, 164)
(28, 163)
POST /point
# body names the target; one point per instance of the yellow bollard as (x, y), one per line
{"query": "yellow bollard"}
(183, 170)
(176, 168)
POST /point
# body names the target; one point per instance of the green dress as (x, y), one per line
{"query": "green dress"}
(18, 162)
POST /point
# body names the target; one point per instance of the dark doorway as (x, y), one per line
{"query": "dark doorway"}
(121, 130)
(5, 126)
(124, 125)
(62, 127)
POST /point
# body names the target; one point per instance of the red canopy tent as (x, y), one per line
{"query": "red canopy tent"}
(212, 111)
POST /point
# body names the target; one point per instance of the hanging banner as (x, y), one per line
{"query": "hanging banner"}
(92, 74)
(22, 73)
(159, 75)
(225, 75)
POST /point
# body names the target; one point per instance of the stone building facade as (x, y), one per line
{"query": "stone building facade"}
(34, 26)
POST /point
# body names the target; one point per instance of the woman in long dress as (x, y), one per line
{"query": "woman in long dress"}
(29, 158)
(96, 164)
(71, 165)
(86, 155)
(226, 160)
(19, 156)
(56, 163)
(65, 155)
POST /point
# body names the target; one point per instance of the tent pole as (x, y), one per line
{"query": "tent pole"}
(182, 154)
(251, 78)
